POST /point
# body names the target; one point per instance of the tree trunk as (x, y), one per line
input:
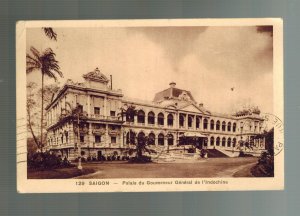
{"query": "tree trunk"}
(42, 112)
(31, 130)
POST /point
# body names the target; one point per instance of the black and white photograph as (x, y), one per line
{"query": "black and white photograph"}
(152, 105)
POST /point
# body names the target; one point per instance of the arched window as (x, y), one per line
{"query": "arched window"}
(141, 116)
(170, 120)
(212, 141)
(190, 121)
(218, 125)
(229, 126)
(160, 119)
(67, 137)
(127, 138)
(223, 126)
(181, 120)
(170, 139)
(234, 127)
(141, 137)
(151, 139)
(130, 137)
(197, 122)
(205, 122)
(129, 116)
(229, 142)
(218, 141)
(212, 124)
(161, 139)
(234, 142)
(223, 141)
(151, 118)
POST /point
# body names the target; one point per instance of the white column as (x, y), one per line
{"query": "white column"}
(165, 140)
(121, 137)
(90, 136)
(89, 105)
(165, 119)
(105, 107)
(186, 121)
(106, 136)
(135, 119)
(146, 118)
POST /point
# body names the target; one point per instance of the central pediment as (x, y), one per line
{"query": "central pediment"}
(96, 76)
(192, 108)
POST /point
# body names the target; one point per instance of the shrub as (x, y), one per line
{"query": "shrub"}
(141, 159)
(46, 160)
(191, 150)
(266, 162)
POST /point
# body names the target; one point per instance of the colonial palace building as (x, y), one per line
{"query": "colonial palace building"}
(172, 114)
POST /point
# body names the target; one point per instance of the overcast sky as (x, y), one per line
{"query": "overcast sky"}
(208, 61)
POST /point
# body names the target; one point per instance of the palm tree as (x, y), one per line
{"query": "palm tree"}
(50, 33)
(46, 63)
(142, 145)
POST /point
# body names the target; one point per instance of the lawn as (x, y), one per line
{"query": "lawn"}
(209, 168)
(212, 167)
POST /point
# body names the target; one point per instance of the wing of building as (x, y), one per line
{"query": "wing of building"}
(104, 128)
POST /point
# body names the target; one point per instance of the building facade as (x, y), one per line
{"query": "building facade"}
(105, 130)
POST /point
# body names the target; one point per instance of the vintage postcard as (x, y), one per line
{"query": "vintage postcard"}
(150, 105)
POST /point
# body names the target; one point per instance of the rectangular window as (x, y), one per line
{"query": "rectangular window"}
(113, 139)
(112, 113)
(81, 138)
(97, 110)
(97, 139)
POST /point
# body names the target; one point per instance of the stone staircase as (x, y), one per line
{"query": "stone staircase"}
(173, 155)
(215, 153)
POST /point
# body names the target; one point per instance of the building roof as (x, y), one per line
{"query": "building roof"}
(173, 93)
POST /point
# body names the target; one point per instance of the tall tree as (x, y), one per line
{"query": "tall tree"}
(46, 63)
(31, 104)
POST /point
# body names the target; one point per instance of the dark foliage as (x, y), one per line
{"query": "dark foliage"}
(50, 33)
(243, 154)
(265, 166)
(141, 143)
(203, 152)
(141, 159)
(46, 160)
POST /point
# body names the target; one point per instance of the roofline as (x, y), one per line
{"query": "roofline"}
(85, 89)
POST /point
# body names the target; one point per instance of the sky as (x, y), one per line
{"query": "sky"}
(225, 68)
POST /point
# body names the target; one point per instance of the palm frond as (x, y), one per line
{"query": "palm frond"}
(35, 52)
(30, 69)
(50, 33)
